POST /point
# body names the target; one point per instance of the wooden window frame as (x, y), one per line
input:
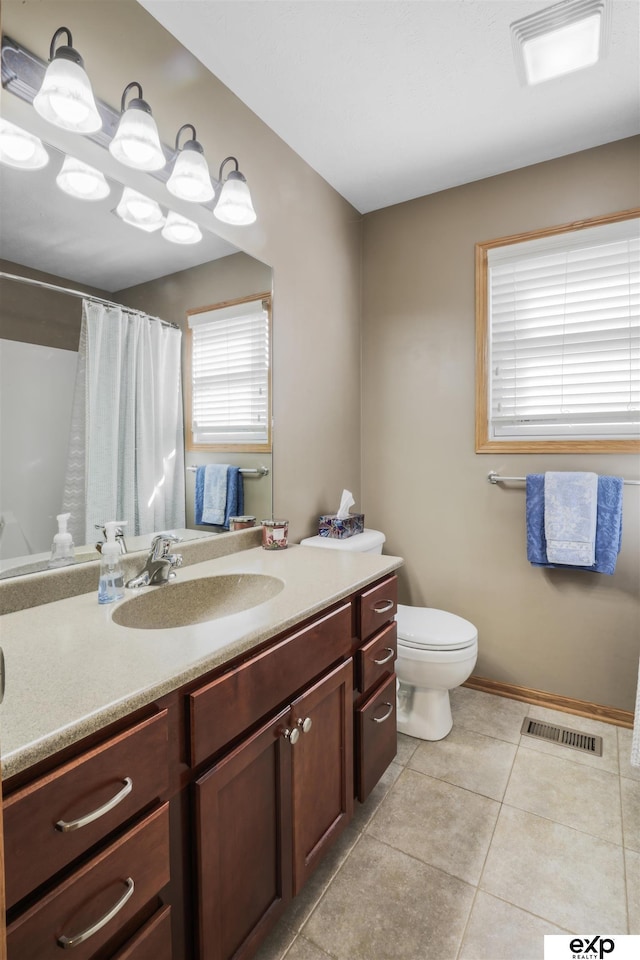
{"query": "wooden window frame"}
(484, 443)
(227, 447)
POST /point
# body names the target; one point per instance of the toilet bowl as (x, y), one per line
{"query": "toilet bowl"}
(437, 652)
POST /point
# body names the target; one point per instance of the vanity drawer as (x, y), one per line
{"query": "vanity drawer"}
(130, 872)
(376, 737)
(153, 940)
(64, 813)
(224, 708)
(377, 606)
(376, 658)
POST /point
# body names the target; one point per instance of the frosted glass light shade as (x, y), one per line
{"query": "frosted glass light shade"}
(190, 179)
(179, 229)
(66, 98)
(136, 142)
(80, 180)
(139, 211)
(21, 149)
(234, 205)
(569, 48)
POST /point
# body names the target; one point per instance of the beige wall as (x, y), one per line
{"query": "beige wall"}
(572, 633)
(305, 231)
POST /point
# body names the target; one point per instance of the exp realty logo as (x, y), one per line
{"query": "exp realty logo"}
(592, 947)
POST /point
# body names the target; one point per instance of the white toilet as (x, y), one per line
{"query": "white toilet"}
(437, 651)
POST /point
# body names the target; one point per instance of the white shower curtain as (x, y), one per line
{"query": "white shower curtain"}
(126, 454)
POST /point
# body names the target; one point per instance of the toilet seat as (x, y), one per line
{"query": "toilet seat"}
(426, 628)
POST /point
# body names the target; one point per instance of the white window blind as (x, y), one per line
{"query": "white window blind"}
(230, 374)
(564, 331)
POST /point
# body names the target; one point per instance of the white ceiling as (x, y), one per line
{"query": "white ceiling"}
(390, 100)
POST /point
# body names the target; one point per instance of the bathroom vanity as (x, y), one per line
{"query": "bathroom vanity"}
(168, 790)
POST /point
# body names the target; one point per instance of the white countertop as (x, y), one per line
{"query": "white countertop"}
(70, 670)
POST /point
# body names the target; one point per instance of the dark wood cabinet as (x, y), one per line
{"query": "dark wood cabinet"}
(202, 816)
(266, 813)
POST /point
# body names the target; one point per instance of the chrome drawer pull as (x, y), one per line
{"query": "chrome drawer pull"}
(66, 825)
(291, 735)
(67, 942)
(387, 714)
(382, 606)
(387, 658)
(305, 725)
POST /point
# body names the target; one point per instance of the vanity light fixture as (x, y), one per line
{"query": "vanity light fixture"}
(19, 148)
(80, 180)
(190, 179)
(65, 97)
(234, 203)
(139, 211)
(136, 142)
(561, 39)
(179, 229)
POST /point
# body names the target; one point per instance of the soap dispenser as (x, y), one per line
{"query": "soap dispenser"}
(62, 547)
(111, 584)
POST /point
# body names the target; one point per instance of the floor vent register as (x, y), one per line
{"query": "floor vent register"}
(587, 742)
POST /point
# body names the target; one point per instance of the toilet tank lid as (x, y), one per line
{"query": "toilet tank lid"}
(359, 543)
(434, 629)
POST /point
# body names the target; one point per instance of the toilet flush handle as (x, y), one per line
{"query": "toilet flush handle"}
(383, 606)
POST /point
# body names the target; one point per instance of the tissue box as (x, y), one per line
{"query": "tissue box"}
(331, 526)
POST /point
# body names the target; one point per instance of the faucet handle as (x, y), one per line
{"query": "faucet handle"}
(161, 543)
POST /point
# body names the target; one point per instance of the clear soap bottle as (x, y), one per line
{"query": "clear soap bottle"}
(62, 551)
(111, 583)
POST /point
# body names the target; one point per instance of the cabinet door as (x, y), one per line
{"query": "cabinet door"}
(322, 760)
(376, 737)
(243, 837)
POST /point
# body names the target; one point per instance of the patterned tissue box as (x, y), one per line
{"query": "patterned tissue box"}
(331, 526)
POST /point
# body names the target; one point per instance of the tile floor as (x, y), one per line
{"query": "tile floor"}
(474, 847)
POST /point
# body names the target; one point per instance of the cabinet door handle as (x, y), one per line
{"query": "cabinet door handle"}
(305, 725)
(65, 826)
(291, 735)
(79, 938)
(383, 606)
(387, 714)
(386, 659)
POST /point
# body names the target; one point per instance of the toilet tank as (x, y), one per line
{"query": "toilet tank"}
(369, 541)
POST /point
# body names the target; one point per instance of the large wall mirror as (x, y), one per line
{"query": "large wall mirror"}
(62, 241)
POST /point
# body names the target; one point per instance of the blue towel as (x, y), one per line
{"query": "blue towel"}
(608, 525)
(234, 496)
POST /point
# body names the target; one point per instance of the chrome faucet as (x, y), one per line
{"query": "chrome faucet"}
(119, 533)
(159, 564)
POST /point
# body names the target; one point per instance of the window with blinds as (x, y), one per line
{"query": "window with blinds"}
(562, 336)
(230, 404)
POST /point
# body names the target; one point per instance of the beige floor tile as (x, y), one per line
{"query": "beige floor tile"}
(385, 905)
(571, 793)
(469, 760)
(305, 950)
(500, 931)
(608, 760)
(364, 811)
(277, 943)
(624, 748)
(631, 812)
(406, 748)
(301, 906)
(632, 860)
(485, 713)
(444, 825)
(563, 875)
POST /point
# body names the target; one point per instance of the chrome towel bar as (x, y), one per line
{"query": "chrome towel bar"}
(245, 471)
(494, 477)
